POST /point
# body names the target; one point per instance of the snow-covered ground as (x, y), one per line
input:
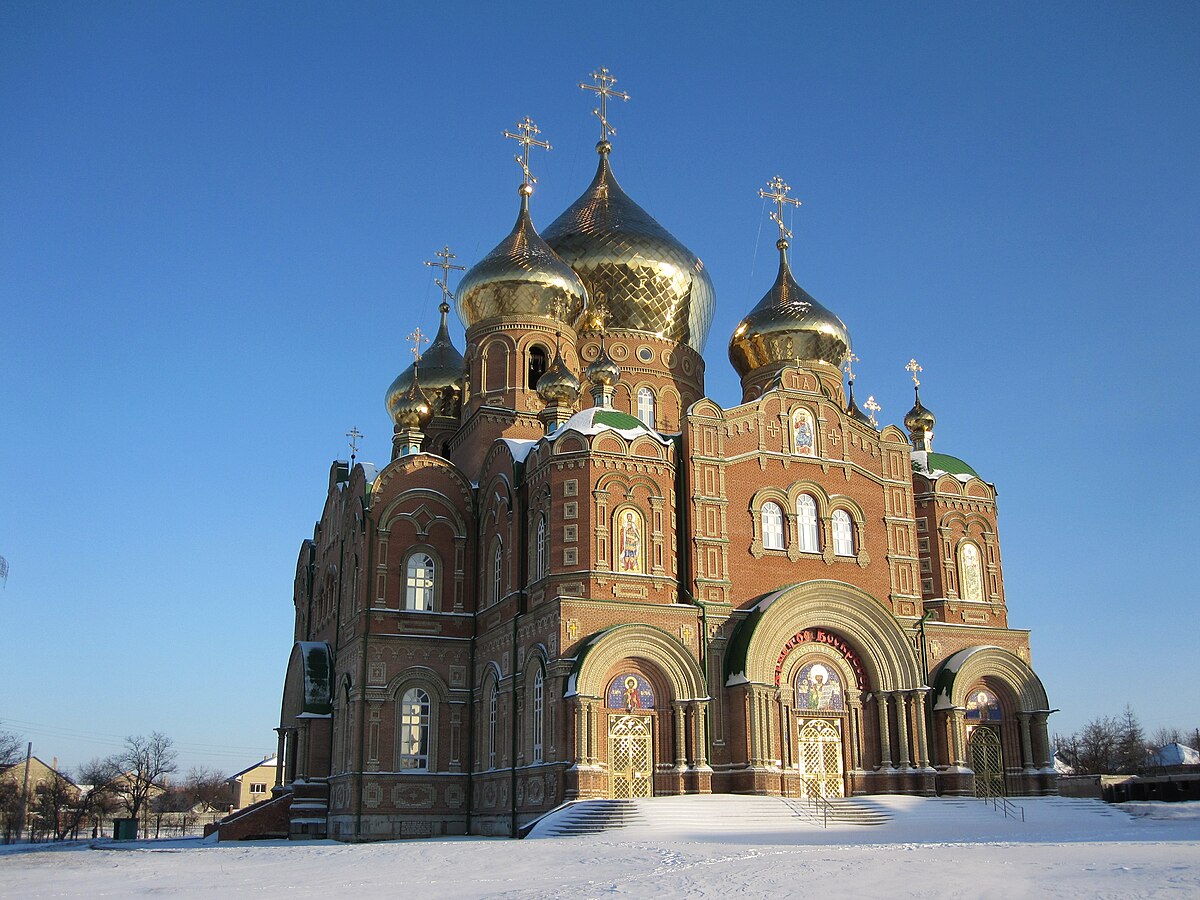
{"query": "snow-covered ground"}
(929, 848)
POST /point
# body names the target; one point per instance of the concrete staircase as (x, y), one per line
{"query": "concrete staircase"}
(587, 817)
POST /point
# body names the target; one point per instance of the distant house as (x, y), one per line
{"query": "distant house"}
(13, 781)
(1175, 757)
(253, 783)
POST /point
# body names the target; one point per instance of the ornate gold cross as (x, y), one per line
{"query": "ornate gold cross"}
(417, 338)
(872, 407)
(445, 265)
(526, 139)
(777, 190)
(914, 368)
(354, 434)
(604, 87)
(849, 366)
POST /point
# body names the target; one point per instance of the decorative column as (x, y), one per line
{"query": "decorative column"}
(1026, 743)
(279, 757)
(592, 757)
(701, 732)
(768, 726)
(855, 707)
(954, 720)
(1043, 739)
(902, 701)
(580, 734)
(680, 736)
(885, 742)
(922, 731)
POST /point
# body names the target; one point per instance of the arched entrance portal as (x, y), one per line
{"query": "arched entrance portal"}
(630, 756)
(987, 759)
(819, 758)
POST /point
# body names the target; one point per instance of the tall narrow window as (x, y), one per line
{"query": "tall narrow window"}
(806, 514)
(537, 364)
(497, 573)
(843, 533)
(419, 579)
(414, 730)
(539, 568)
(491, 748)
(645, 406)
(538, 715)
(772, 526)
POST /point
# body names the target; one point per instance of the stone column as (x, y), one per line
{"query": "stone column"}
(1042, 740)
(954, 722)
(922, 731)
(701, 734)
(279, 756)
(580, 734)
(854, 708)
(290, 771)
(902, 701)
(885, 741)
(680, 736)
(592, 757)
(768, 727)
(1026, 743)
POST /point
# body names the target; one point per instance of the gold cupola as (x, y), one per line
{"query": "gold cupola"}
(522, 276)
(649, 280)
(788, 326)
(441, 374)
(919, 421)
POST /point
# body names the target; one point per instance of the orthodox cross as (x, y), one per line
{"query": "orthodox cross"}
(445, 265)
(914, 368)
(526, 139)
(872, 407)
(354, 434)
(599, 312)
(849, 367)
(777, 190)
(417, 338)
(604, 87)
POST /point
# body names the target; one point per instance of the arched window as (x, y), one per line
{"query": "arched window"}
(497, 573)
(539, 568)
(806, 514)
(538, 715)
(420, 576)
(970, 575)
(843, 533)
(491, 734)
(414, 730)
(772, 526)
(645, 406)
(537, 364)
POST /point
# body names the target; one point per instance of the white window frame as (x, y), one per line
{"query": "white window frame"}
(539, 568)
(419, 591)
(843, 533)
(495, 585)
(772, 526)
(806, 519)
(645, 406)
(493, 702)
(416, 717)
(539, 719)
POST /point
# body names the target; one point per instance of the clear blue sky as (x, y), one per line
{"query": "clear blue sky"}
(212, 222)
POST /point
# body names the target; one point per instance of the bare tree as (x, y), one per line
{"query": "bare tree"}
(209, 788)
(143, 764)
(96, 794)
(10, 747)
(54, 803)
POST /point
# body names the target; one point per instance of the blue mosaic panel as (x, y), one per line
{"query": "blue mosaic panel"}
(983, 706)
(630, 692)
(818, 688)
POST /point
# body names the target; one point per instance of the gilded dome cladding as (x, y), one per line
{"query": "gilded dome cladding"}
(788, 325)
(441, 374)
(522, 276)
(647, 280)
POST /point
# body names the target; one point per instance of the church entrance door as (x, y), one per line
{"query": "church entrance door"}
(819, 758)
(987, 759)
(630, 757)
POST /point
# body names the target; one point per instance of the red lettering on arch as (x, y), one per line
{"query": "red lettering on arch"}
(820, 636)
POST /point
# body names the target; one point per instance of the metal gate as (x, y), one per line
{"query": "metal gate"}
(987, 759)
(819, 758)
(630, 757)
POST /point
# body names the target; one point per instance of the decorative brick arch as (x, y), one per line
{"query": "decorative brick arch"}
(852, 614)
(955, 677)
(605, 649)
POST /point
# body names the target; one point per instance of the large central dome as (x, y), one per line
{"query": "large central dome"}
(647, 280)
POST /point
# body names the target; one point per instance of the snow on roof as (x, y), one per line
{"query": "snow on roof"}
(519, 448)
(1176, 754)
(271, 760)
(934, 465)
(596, 419)
(370, 471)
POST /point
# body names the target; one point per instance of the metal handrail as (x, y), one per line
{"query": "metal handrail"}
(1002, 804)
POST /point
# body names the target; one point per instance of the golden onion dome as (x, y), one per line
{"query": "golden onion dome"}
(441, 373)
(648, 280)
(602, 370)
(787, 326)
(558, 383)
(412, 408)
(919, 419)
(522, 276)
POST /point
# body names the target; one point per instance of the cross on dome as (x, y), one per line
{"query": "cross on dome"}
(914, 368)
(777, 189)
(354, 434)
(446, 266)
(872, 406)
(848, 367)
(604, 88)
(526, 139)
(417, 337)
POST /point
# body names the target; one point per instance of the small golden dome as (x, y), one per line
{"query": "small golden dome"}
(522, 276)
(412, 408)
(649, 281)
(919, 419)
(441, 374)
(558, 383)
(602, 370)
(787, 326)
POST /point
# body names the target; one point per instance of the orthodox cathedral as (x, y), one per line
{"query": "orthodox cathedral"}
(579, 577)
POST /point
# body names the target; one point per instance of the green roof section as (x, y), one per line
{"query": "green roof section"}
(614, 419)
(951, 464)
